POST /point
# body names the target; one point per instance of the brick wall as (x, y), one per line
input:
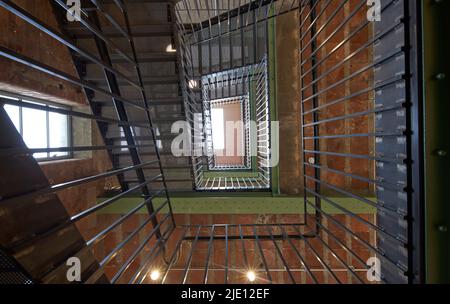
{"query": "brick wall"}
(288, 101)
(337, 61)
(29, 41)
(75, 199)
(236, 261)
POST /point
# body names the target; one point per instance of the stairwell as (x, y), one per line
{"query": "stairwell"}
(153, 33)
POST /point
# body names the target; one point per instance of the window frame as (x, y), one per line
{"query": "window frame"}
(48, 105)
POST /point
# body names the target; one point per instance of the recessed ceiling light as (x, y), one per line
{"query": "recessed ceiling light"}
(192, 84)
(170, 49)
(154, 275)
(251, 276)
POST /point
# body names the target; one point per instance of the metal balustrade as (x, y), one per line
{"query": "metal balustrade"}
(245, 128)
(210, 32)
(357, 102)
(159, 218)
(250, 85)
(359, 122)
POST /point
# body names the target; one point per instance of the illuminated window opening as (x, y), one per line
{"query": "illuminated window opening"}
(218, 128)
(41, 129)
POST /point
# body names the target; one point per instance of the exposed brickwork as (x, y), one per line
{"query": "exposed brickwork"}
(18, 36)
(288, 102)
(236, 261)
(79, 198)
(288, 82)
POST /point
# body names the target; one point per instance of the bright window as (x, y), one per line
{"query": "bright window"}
(218, 129)
(41, 129)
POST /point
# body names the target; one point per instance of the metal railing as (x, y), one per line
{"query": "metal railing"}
(244, 105)
(220, 42)
(359, 123)
(357, 100)
(159, 217)
(249, 84)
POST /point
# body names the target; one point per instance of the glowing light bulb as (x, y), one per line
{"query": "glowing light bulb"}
(251, 276)
(154, 275)
(192, 84)
(170, 49)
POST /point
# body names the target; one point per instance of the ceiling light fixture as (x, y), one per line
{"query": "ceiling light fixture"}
(192, 84)
(170, 49)
(251, 276)
(154, 275)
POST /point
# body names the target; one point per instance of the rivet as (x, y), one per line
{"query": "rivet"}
(442, 228)
(440, 76)
(442, 153)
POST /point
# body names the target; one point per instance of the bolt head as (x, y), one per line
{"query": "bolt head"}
(442, 228)
(442, 153)
(440, 76)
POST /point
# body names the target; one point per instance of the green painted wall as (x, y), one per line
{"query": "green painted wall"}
(241, 205)
(436, 28)
(272, 71)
